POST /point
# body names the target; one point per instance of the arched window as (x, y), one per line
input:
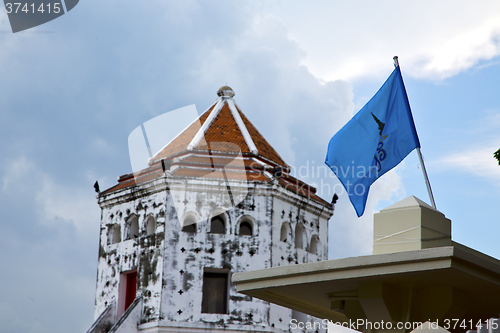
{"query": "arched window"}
(133, 227)
(217, 225)
(315, 245)
(300, 236)
(189, 225)
(246, 229)
(285, 232)
(151, 226)
(115, 235)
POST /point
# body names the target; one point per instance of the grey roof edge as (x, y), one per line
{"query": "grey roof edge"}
(345, 264)
(455, 252)
(480, 259)
(411, 201)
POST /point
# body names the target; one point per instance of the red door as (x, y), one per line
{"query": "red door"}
(131, 289)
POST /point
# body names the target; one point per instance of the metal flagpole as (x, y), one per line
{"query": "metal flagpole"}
(424, 171)
(427, 183)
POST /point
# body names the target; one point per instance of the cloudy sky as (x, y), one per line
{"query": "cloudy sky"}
(73, 89)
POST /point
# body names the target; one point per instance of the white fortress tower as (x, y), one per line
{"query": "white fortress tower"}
(216, 200)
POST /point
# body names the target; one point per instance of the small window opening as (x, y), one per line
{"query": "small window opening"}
(313, 248)
(285, 232)
(214, 298)
(151, 226)
(217, 225)
(115, 234)
(133, 228)
(300, 234)
(189, 225)
(245, 229)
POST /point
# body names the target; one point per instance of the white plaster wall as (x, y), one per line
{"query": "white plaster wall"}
(144, 254)
(285, 253)
(190, 254)
(170, 263)
(295, 210)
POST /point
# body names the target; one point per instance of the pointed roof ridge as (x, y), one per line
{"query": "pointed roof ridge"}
(152, 158)
(224, 125)
(178, 144)
(244, 118)
(223, 135)
(203, 129)
(241, 125)
(410, 201)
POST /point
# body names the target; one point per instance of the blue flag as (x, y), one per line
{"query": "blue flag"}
(374, 141)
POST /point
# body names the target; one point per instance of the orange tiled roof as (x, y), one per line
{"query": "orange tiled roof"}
(229, 132)
(265, 149)
(222, 135)
(250, 173)
(181, 142)
(218, 160)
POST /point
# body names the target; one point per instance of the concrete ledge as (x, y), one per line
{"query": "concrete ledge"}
(458, 274)
(165, 326)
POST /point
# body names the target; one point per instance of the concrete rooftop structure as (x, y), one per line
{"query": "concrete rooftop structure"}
(417, 274)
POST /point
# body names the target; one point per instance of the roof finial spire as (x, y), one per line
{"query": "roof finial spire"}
(225, 92)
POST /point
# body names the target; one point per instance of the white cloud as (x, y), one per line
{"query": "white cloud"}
(60, 203)
(476, 144)
(298, 113)
(462, 51)
(476, 160)
(358, 38)
(15, 171)
(55, 202)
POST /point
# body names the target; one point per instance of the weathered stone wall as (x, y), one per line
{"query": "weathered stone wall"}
(293, 210)
(170, 263)
(190, 254)
(143, 254)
